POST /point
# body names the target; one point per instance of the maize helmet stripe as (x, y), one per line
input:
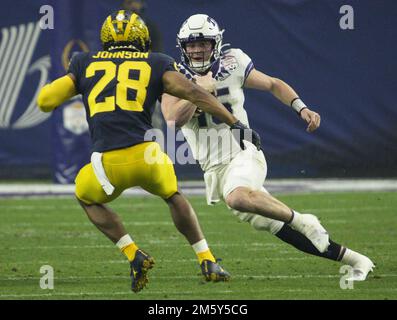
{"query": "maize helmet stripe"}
(128, 29)
(111, 28)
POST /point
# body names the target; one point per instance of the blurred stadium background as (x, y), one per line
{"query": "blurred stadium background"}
(348, 76)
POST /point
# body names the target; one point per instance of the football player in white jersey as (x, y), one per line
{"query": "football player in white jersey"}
(234, 173)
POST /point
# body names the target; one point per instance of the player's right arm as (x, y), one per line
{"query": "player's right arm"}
(62, 89)
(177, 85)
(56, 93)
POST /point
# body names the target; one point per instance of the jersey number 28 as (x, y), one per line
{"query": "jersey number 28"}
(111, 71)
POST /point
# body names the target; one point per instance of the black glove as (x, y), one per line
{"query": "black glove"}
(239, 130)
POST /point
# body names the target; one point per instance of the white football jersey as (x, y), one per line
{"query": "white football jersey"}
(212, 142)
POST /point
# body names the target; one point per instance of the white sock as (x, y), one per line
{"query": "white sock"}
(200, 246)
(351, 257)
(124, 241)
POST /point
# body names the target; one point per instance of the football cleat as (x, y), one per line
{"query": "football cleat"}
(212, 271)
(139, 269)
(310, 226)
(361, 269)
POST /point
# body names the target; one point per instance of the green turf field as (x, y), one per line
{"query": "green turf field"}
(36, 232)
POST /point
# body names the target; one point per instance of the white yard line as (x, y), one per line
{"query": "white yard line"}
(197, 187)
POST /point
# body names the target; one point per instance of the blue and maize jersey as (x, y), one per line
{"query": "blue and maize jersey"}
(119, 92)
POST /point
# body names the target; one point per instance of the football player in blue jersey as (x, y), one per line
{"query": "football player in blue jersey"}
(120, 86)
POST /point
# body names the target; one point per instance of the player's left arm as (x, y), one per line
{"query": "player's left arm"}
(56, 93)
(283, 92)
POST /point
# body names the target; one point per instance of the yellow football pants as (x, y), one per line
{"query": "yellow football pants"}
(143, 165)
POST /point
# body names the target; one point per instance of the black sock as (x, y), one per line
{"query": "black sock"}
(300, 242)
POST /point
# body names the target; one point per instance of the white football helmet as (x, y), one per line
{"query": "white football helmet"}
(197, 28)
